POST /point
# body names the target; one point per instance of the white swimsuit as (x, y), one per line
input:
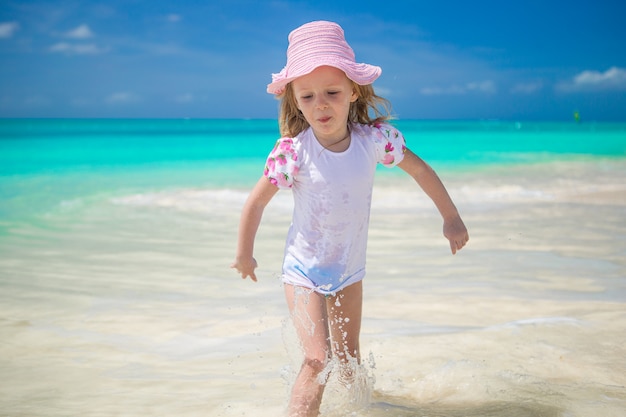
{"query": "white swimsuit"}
(327, 240)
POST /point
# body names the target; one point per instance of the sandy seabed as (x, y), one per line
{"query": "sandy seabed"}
(127, 306)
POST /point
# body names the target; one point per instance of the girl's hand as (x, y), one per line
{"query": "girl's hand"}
(455, 231)
(245, 267)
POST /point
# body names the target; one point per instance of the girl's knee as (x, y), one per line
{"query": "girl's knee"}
(313, 365)
(315, 369)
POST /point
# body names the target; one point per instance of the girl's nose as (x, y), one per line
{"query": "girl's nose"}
(321, 104)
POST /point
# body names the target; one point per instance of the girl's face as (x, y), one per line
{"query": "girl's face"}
(324, 97)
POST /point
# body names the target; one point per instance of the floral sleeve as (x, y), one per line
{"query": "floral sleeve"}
(282, 164)
(390, 144)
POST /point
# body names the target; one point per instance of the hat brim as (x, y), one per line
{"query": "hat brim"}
(362, 74)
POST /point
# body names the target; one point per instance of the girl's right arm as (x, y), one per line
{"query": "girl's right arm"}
(249, 223)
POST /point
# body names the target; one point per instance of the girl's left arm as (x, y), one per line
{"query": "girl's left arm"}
(453, 227)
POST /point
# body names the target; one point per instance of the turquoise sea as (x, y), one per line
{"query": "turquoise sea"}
(61, 146)
(116, 296)
(46, 162)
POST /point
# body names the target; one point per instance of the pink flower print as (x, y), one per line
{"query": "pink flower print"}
(282, 179)
(271, 165)
(286, 145)
(281, 159)
(280, 167)
(388, 159)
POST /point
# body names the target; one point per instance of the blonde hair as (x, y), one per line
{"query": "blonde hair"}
(291, 121)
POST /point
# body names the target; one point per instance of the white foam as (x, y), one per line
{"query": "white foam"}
(503, 193)
(194, 200)
(538, 321)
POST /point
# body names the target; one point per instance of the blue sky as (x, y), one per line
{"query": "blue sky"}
(524, 60)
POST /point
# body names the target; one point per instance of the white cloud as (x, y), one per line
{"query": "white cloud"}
(487, 87)
(613, 75)
(484, 87)
(81, 102)
(184, 98)
(7, 29)
(383, 91)
(173, 18)
(613, 79)
(81, 32)
(77, 49)
(527, 88)
(122, 97)
(36, 101)
(439, 91)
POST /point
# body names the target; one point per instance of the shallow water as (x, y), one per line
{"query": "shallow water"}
(121, 302)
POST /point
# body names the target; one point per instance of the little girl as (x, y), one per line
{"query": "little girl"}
(327, 156)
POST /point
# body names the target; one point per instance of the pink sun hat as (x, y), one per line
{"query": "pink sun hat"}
(316, 44)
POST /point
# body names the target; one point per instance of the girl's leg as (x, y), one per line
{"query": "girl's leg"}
(344, 318)
(309, 315)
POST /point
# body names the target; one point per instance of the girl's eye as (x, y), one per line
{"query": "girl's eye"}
(332, 93)
(306, 97)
